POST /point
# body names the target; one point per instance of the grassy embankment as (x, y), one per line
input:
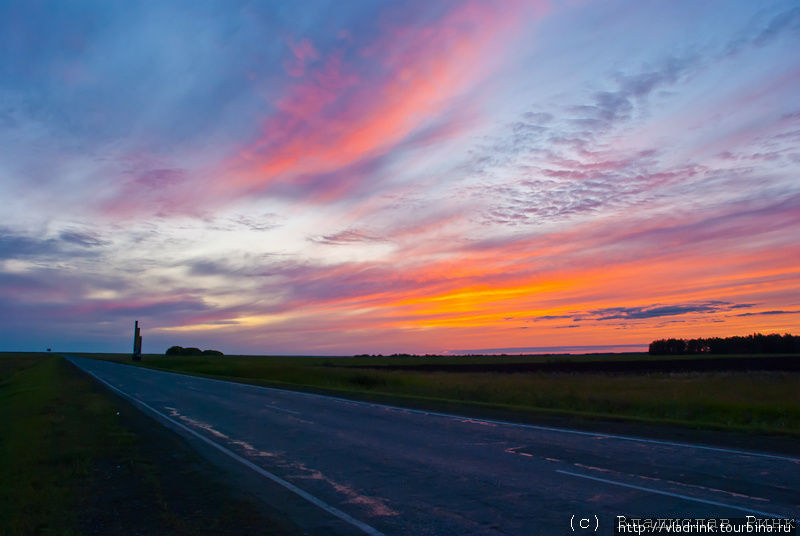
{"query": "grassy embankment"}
(748, 401)
(73, 460)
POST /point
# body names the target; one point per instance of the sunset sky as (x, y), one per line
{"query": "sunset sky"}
(410, 176)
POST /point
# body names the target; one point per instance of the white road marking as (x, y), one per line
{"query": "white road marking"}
(278, 408)
(670, 494)
(263, 472)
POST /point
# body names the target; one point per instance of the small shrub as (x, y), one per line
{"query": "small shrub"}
(367, 381)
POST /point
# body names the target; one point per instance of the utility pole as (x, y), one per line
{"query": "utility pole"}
(137, 342)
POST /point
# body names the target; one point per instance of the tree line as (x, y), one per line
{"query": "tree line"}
(180, 350)
(756, 343)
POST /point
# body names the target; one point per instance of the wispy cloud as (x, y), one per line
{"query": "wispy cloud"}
(656, 311)
(761, 313)
(349, 236)
(70, 242)
(342, 113)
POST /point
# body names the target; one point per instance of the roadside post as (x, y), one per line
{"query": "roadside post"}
(137, 342)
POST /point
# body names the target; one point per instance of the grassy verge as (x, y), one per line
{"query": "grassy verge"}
(756, 402)
(35, 474)
(75, 460)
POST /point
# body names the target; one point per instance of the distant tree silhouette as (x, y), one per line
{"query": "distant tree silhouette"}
(756, 343)
(180, 350)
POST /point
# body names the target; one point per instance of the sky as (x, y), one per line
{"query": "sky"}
(336, 178)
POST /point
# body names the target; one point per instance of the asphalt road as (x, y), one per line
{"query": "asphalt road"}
(368, 468)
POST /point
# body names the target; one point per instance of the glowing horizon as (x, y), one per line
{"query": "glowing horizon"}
(397, 178)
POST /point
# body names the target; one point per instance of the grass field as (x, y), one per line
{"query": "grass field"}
(37, 475)
(74, 460)
(750, 401)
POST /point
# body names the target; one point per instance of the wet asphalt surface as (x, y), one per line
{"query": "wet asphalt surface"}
(380, 469)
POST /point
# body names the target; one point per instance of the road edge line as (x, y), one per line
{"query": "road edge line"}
(670, 494)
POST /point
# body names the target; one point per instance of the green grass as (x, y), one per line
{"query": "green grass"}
(741, 401)
(73, 456)
(46, 447)
(11, 362)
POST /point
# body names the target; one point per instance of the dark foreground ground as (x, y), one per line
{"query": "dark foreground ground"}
(77, 459)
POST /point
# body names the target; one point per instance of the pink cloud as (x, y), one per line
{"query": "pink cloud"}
(303, 53)
(341, 112)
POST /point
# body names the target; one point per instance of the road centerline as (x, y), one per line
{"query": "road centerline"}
(278, 408)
